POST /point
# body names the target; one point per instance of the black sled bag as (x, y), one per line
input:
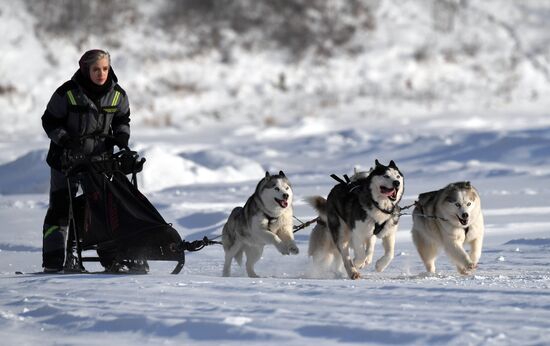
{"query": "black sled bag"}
(117, 220)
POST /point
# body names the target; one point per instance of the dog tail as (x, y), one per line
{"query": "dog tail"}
(320, 204)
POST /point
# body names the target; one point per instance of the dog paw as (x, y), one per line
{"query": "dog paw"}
(468, 269)
(293, 249)
(355, 276)
(463, 271)
(288, 248)
(283, 249)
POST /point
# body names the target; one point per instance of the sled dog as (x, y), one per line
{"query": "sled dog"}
(449, 218)
(354, 215)
(322, 249)
(266, 218)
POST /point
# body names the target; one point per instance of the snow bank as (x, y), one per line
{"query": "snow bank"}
(27, 174)
(164, 169)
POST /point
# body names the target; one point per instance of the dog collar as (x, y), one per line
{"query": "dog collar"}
(269, 218)
(389, 212)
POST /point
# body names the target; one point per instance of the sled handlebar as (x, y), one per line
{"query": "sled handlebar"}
(125, 161)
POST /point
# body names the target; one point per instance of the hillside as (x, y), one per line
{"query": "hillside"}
(198, 63)
(222, 91)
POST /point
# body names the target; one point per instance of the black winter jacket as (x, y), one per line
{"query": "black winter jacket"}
(72, 111)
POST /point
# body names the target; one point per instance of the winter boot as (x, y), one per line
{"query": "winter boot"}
(53, 247)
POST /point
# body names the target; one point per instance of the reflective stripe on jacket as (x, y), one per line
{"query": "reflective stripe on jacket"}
(70, 111)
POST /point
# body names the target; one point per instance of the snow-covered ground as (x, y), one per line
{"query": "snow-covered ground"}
(443, 116)
(506, 302)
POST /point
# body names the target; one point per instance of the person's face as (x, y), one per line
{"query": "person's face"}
(99, 71)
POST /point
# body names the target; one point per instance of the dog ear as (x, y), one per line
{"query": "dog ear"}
(392, 164)
(282, 174)
(267, 175)
(377, 163)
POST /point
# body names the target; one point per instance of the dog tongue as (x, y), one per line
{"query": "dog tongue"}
(388, 192)
(282, 202)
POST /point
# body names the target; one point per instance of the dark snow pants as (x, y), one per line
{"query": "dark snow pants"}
(55, 229)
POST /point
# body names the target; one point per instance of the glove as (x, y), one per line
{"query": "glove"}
(69, 142)
(121, 140)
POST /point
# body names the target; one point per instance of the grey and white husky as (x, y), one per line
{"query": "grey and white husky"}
(449, 218)
(354, 215)
(266, 218)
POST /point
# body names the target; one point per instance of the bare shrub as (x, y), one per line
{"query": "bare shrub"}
(79, 18)
(294, 25)
(6, 89)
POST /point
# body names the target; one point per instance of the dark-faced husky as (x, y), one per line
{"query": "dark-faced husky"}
(266, 218)
(354, 215)
(449, 218)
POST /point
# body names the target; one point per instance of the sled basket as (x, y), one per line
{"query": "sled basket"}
(114, 218)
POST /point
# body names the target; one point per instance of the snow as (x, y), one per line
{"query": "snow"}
(199, 168)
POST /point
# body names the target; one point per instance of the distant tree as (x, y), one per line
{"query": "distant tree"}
(444, 13)
(77, 18)
(294, 25)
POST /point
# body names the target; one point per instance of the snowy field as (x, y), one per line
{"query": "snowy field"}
(506, 302)
(464, 102)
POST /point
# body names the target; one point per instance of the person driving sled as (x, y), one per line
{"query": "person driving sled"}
(89, 114)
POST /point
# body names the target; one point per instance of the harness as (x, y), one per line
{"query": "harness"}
(270, 220)
(421, 208)
(388, 212)
(377, 226)
(305, 224)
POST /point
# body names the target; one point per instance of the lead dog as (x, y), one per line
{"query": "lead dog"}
(449, 218)
(266, 218)
(354, 215)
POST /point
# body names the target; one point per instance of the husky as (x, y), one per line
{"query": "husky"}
(354, 215)
(266, 218)
(449, 218)
(322, 249)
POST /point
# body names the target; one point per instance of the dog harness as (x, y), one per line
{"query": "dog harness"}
(377, 226)
(270, 219)
(421, 207)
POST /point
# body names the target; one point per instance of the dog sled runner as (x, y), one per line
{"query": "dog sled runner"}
(116, 220)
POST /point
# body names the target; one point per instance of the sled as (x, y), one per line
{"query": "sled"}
(115, 219)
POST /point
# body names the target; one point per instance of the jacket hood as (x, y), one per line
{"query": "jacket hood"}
(93, 90)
